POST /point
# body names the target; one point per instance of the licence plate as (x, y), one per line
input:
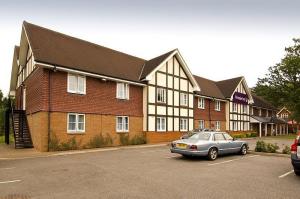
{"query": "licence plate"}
(298, 151)
(181, 146)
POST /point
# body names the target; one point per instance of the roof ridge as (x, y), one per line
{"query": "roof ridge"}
(25, 23)
(230, 79)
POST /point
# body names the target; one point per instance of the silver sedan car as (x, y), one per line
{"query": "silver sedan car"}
(210, 144)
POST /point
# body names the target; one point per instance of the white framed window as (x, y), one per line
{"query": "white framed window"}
(245, 109)
(217, 105)
(234, 125)
(122, 124)
(234, 107)
(218, 125)
(122, 91)
(161, 123)
(183, 99)
(201, 103)
(201, 124)
(76, 84)
(161, 95)
(245, 126)
(183, 124)
(76, 123)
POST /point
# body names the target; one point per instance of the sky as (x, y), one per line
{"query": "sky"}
(218, 39)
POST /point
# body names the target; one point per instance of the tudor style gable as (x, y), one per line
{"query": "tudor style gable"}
(169, 95)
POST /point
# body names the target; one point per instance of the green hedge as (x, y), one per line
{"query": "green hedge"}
(244, 135)
(262, 146)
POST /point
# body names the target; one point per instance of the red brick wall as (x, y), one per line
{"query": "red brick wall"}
(35, 92)
(203, 114)
(100, 97)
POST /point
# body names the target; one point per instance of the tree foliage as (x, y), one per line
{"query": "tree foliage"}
(281, 85)
(4, 105)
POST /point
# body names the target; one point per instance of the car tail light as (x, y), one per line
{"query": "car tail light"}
(193, 147)
(294, 147)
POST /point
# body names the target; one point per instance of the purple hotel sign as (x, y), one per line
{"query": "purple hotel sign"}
(240, 98)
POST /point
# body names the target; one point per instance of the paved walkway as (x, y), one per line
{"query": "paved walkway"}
(279, 141)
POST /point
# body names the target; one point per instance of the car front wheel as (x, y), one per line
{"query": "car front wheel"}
(243, 150)
(212, 154)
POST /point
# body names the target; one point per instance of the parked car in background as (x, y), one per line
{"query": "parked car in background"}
(210, 144)
(295, 155)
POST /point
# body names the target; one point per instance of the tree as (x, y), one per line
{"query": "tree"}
(281, 85)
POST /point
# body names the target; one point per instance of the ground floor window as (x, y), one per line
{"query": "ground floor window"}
(218, 125)
(234, 125)
(201, 124)
(161, 123)
(183, 124)
(122, 124)
(245, 126)
(76, 123)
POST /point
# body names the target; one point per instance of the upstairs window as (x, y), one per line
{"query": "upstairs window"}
(122, 91)
(183, 99)
(201, 103)
(217, 105)
(76, 84)
(234, 107)
(161, 95)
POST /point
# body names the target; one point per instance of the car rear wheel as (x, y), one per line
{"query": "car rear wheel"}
(212, 154)
(243, 150)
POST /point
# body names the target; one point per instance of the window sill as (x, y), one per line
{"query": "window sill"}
(201, 108)
(122, 132)
(76, 133)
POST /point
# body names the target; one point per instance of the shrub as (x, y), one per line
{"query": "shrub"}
(124, 139)
(261, 146)
(244, 134)
(54, 143)
(286, 150)
(99, 141)
(138, 140)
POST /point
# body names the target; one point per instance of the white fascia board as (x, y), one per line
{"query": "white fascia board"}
(87, 74)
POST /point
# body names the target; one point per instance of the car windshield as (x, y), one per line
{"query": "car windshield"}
(200, 136)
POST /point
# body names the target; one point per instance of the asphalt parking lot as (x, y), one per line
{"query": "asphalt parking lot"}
(147, 173)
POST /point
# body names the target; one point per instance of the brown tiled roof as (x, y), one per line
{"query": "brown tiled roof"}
(153, 63)
(228, 86)
(59, 49)
(261, 102)
(208, 88)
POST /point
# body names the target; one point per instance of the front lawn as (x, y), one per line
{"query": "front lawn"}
(288, 137)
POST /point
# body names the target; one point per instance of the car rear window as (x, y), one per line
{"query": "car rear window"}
(200, 136)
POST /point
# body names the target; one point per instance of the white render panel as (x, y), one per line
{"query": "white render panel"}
(145, 108)
(191, 114)
(151, 94)
(191, 101)
(183, 85)
(170, 82)
(161, 80)
(176, 98)
(176, 67)
(190, 87)
(170, 97)
(170, 111)
(176, 111)
(176, 83)
(151, 109)
(152, 81)
(191, 124)
(163, 68)
(161, 110)
(182, 73)
(170, 66)
(170, 124)
(151, 123)
(183, 112)
(176, 124)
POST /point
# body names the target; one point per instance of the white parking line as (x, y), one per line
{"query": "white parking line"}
(286, 174)
(217, 163)
(7, 168)
(11, 181)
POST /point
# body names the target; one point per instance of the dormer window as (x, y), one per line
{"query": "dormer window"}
(122, 91)
(76, 84)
